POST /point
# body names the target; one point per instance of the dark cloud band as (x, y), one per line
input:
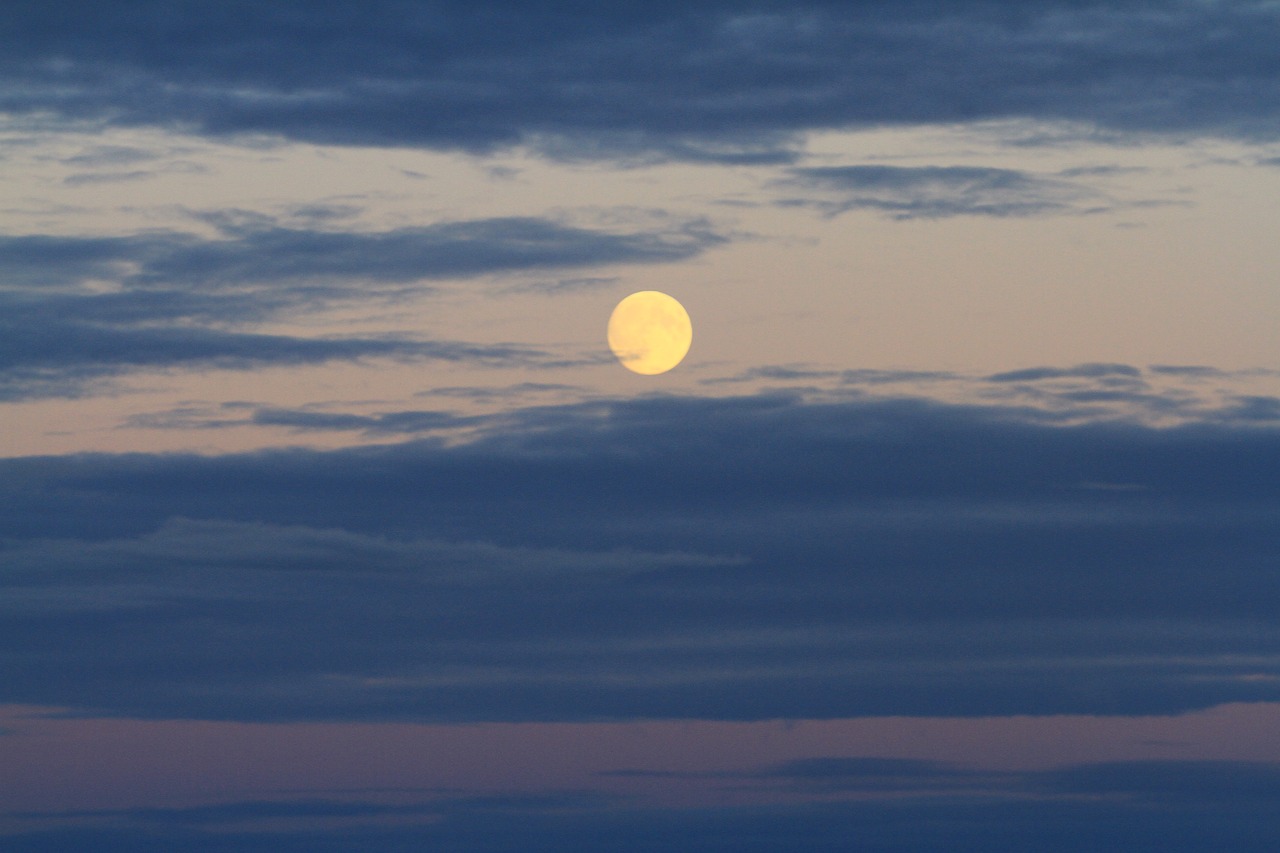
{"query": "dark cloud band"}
(746, 558)
(712, 82)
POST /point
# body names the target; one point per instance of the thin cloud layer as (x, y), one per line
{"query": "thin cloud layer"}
(70, 358)
(255, 250)
(931, 192)
(1125, 373)
(748, 558)
(711, 82)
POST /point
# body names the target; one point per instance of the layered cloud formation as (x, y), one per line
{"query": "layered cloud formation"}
(79, 308)
(958, 531)
(744, 558)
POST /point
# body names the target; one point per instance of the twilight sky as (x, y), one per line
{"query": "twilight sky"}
(329, 523)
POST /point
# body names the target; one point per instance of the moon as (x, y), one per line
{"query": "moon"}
(650, 332)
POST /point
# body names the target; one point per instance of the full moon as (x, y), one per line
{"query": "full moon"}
(650, 332)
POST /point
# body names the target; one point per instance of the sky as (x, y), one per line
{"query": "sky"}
(329, 522)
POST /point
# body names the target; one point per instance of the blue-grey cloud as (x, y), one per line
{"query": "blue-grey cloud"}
(857, 767)
(85, 178)
(1081, 371)
(175, 294)
(255, 250)
(79, 344)
(74, 358)
(1251, 409)
(444, 250)
(412, 421)
(1102, 389)
(1073, 810)
(858, 774)
(883, 377)
(444, 801)
(240, 812)
(712, 81)
(931, 192)
(1234, 784)
(564, 285)
(1084, 392)
(111, 156)
(777, 372)
(749, 558)
(1144, 784)
(1199, 371)
(489, 393)
(105, 164)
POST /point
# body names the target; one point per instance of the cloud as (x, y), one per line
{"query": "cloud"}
(1091, 392)
(106, 164)
(85, 178)
(931, 192)
(857, 377)
(1233, 784)
(1081, 371)
(75, 358)
(490, 393)
(111, 156)
(169, 296)
(384, 423)
(1198, 371)
(578, 284)
(79, 344)
(881, 377)
(784, 373)
(1146, 784)
(254, 250)
(712, 82)
(1073, 810)
(443, 250)
(878, 776)
(741, 558)
(1120, 391)
(1247, 409)
(242, 812)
